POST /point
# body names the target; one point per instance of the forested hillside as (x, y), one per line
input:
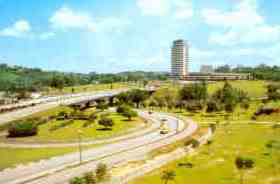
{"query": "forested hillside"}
(18, 79)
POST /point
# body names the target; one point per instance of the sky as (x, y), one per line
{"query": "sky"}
(119, 35)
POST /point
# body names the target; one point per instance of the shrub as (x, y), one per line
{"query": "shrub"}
(106, 122)
(193, 106)
(23, 129)
(193, 142)
(245, 105)
(212, 106)
(122, 108)
(77, 180)
(101, 172)
(90, 178)
(62, 125)
(229, 107)
(62, 115)
(92, 117)
(129, 114)
(102, 105)
(244, 163)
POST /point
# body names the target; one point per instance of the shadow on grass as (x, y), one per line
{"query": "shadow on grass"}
(127, 120)
(104, 129)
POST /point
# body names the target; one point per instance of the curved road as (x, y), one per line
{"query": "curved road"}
(62, 168)
(139, 131)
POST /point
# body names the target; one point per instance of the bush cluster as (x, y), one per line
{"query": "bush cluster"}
(100, 175)
(23, 129)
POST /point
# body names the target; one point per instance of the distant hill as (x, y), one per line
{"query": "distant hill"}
(17, 78)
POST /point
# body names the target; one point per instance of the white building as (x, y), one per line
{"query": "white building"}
(206, 69)
(179, 59)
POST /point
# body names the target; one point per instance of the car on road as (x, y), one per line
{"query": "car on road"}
(164, 128)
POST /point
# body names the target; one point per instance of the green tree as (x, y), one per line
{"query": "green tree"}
(23, 129)
(138, 96)
(212, 106)
(123, 98)
(92, 116)
(168, 176)
(273, 92)
(196, 91)
(90, 178)
(129, 114)
(101, 172)
(122, 108)
(57, 82)
(108, 123)
(102, 105)
(77, 180)
(192, 142)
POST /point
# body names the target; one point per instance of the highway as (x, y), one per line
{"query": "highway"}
(62, 168)
(51, 102)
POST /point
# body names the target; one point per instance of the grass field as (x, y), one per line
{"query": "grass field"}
(218, 166)
(253, 88)
(239, 115)
(88, 88)
(14, 156)
(69, 133)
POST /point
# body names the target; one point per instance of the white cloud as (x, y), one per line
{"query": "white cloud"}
(244, 15)
(154, 7)
(198, 53)
(259, 34)
(111, 23)
(183, 9)
(178, 9)
(46, 35)
(263, 33)
(243, 25)
(66, 18)
(19, 29)
(183, 14)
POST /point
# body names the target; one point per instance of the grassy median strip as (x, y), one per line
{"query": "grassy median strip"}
(215, 164)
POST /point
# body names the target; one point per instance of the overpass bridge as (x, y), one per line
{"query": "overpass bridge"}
(109, 96)
(80, 100)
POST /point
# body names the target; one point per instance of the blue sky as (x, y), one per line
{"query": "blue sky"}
(120, 35)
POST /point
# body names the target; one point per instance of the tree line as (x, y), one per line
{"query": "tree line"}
(260, 72)
(17, 79)
(195, 97)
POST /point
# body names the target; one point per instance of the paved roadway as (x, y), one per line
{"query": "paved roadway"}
(60, 169)
(51, 102)
(136, 132)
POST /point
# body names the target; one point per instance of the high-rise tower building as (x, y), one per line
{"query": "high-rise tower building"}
(179, 59)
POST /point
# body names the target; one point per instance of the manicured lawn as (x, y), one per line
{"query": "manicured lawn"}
(253, 88)
(239, 114)
(88, 88)
(218, 166)
(13, 156)
(70, 132)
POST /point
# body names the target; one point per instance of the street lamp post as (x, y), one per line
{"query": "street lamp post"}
(80, 144)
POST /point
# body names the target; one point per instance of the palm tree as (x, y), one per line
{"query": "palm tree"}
(243, 164)
(77, 180)
(168, 176)
(90, 178)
